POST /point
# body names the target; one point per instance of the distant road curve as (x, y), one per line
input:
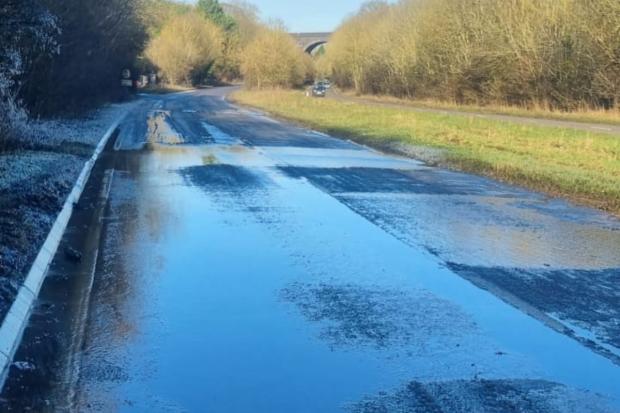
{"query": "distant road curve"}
(591, 127)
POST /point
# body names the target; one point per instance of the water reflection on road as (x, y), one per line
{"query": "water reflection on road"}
(270, 269)
(236, 287)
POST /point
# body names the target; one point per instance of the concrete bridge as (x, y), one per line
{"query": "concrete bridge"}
(310, 41)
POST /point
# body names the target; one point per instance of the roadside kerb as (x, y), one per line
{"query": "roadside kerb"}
(16, 320)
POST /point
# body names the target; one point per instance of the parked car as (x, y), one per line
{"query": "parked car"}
(319, 91)
(324, 83)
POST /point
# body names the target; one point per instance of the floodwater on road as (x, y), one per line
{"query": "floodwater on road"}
(247, 265)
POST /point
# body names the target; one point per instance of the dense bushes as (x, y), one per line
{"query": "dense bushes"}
(26, 30)
(236, 24)
(273, 59)
(186, 49)
(62, 56)
(561, 53)
(59, 56)
(213, 42)
(97, 40)
(234, 45)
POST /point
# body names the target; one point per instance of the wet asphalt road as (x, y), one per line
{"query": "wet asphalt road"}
(234, 263)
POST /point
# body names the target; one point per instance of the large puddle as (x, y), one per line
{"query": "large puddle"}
(321, 278)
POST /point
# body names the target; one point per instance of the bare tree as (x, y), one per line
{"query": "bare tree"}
(273, 59)
(556, 53)
(186, 49)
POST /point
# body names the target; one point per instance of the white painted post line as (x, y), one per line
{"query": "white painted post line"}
(15, 322)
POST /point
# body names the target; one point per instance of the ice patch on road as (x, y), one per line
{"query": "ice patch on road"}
(588, 337)
(24, 366)
(259, 115)
(219, 136)
(160, 130)
(321, 134)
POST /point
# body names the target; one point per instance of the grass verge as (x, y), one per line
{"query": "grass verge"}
(579, 165)
(587, 115)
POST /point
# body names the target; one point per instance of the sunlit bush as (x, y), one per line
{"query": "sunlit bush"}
(560, 53)
(186, 49)
(273, 59)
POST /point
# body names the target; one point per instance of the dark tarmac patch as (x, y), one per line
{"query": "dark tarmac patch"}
(587, 298)
(378, 317)
(482, 396)
(360, 179)
(257, 131)
(223, 178)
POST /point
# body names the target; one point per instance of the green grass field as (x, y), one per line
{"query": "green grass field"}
(579, 165)
(587, 115)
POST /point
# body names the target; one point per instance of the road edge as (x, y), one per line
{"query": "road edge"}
(16, 320)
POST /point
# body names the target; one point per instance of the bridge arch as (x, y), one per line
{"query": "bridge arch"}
(314, 46)
(310, 41)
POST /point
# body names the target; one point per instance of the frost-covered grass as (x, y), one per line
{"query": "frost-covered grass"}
(87, 129)
(19, 167)
(37, 171)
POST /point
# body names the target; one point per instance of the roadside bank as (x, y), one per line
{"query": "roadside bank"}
(40, 185)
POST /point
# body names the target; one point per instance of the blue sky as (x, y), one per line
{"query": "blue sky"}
(308, 15)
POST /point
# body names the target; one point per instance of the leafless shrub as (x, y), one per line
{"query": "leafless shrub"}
(186, 49)
(273, 59)
(559, 53)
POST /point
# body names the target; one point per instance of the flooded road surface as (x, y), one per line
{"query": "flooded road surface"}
(241, 264)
